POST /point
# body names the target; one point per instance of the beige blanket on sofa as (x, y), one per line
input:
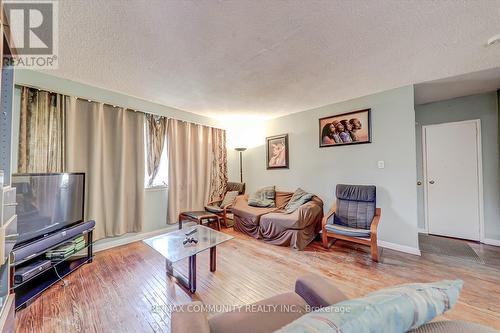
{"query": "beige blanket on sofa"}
(274, 226)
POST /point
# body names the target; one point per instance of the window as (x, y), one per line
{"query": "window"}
(161, 178)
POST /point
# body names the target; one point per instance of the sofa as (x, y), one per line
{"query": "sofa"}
(311, 292)
(274, 226)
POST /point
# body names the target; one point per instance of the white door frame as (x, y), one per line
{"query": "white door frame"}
(479, 173)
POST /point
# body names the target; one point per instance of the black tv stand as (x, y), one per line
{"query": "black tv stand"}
(29, 289)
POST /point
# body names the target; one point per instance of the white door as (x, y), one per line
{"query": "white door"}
(452, 179)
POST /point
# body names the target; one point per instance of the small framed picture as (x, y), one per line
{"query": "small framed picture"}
(345, 129)
(277, 152)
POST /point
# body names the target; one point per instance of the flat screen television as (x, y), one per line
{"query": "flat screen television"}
(47, 202)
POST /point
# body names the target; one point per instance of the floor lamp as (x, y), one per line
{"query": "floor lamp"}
(241, 150)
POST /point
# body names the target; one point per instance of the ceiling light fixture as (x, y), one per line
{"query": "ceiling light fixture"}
(493, 40)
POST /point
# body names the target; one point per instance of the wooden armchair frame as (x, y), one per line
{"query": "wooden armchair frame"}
(222, 215)
(371, 241)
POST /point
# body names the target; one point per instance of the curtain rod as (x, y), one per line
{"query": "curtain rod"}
(113, 105)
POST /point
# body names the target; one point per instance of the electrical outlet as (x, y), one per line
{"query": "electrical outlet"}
(381, 164)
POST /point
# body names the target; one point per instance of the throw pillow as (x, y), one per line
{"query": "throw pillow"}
(264, 197)
(229, 198)
(299, 198)
(392, 310)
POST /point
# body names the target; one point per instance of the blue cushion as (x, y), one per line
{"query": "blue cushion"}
(347, 231)
(392, 310)
(355, 205)
(363, 193)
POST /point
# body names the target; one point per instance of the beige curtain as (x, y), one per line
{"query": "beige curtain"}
(189, 167)
(156, 129)
(107, 143)
(41, 132)
(218, 175)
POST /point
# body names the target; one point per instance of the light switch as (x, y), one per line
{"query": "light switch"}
(381, 164)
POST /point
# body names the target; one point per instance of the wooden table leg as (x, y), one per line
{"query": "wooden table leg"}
(192, 273)
(213, 259)
(190, 282)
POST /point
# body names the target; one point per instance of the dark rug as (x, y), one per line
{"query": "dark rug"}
(454, 248)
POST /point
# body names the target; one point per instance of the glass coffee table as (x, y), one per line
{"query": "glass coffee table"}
(171, 246)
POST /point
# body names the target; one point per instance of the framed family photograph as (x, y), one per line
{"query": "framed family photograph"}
(277, 152)
(345, 129)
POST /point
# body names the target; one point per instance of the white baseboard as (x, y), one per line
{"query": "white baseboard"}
(108, 243)
(422, 231)
(490, 241)
(398, 247)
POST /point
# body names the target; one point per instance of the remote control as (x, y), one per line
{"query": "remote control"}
(189, 233)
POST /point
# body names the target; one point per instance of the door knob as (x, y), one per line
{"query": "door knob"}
(431, 182)
(419, 183)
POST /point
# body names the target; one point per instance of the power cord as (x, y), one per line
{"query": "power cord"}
(64, 282)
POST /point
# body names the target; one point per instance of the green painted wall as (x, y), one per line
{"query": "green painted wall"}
(318, 170)
(485, 108)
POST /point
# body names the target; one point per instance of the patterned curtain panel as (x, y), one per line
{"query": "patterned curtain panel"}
(218, 175)
(156, 128)
(42, 132)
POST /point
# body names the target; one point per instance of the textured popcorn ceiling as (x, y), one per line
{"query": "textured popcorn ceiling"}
(270, 58)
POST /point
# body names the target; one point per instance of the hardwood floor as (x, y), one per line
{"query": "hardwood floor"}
(125, 289)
